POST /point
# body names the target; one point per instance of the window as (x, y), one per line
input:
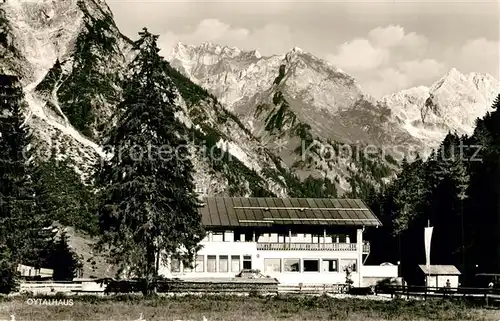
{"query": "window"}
(248, 237)
(351, 263)
(217, 236)
(187, 267)
(340, 238)
(199, 263)
(272, 265)
(311, 265)
(228, 236)
(291, 265)
(330, 265)
(211, 263)
(223, 264)
(235, 263)
(175, 266)
(247, 262)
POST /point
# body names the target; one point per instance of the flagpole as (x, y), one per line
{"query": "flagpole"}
(428, 262)
(428, 235)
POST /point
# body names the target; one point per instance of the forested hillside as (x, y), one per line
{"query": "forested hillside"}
(456, 190)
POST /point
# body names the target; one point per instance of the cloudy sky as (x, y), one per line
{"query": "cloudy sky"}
(386, 45)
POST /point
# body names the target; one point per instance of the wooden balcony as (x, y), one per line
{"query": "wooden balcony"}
(311, 247)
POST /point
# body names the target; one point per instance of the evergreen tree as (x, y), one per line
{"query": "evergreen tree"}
(458, 194)
(148, 206)
(63, 260)
(410, 192)
(21, 225)
(449, 180)
(63, 197)
(484, 191)
(7, 271)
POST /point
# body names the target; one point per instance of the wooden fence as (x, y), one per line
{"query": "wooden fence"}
(487, 295)
(250, 286)
(313, 288)
(49, 287)
(219, 287)
(264, 286)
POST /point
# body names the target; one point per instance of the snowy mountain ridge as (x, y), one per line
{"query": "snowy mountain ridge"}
(234, 75)
(262, 111)
(40, 33)
(451, 104)
(426, 114)
(70, 58)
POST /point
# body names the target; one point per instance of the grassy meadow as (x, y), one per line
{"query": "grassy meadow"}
(231, 308)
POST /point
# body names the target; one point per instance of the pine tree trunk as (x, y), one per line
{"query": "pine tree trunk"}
(150, 270)
(157, 267)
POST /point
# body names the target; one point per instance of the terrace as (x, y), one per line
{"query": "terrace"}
(312, 247)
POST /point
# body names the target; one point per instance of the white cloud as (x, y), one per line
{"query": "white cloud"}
(383, 47)
(422, 69)
(385, 81)
(478, 55)
(386, 37)
(403, 75)
(395, 36)
(414, 41)
(359, 54)
(387, 60)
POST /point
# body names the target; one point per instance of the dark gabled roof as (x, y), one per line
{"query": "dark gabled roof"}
(268, 211)
(440, 270)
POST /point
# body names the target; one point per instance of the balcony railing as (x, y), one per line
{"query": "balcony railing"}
(311, 247)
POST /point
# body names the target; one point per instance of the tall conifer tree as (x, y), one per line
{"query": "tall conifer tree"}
(22, 228)
(148, 205)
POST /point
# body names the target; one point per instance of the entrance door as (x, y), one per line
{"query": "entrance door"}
(247, 262)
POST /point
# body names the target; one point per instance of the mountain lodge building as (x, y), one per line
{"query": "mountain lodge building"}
(295, 240)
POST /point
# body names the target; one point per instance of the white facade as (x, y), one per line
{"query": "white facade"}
(292, 259)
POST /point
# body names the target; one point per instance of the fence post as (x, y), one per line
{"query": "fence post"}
(425, 293)
(324, 288)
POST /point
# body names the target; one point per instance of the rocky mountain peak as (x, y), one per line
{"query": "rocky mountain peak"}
(207, 52)
(72, 59)
(295, 51)
(451, 78)
(44, 31)
(451, 104)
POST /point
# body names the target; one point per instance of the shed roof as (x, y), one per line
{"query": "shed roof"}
(268, 211)
(440, 270)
